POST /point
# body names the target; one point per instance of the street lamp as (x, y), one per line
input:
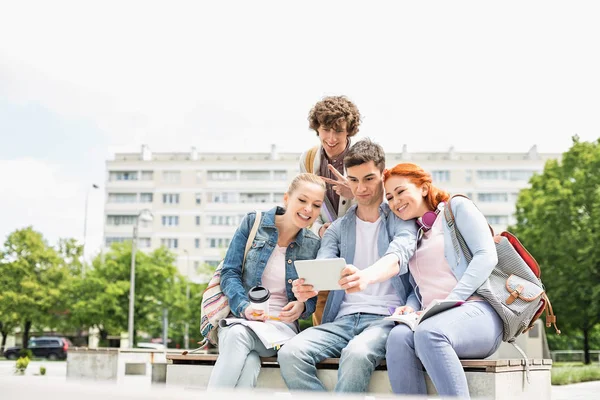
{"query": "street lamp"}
(146, 216)
(186, 335)
(87, 196)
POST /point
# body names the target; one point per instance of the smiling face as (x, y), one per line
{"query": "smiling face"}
(304, 203)
(405, 199)
(366, 183)
(333, 139)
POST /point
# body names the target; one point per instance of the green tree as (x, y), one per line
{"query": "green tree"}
(558, 220)
(103, 295)
(31, 279)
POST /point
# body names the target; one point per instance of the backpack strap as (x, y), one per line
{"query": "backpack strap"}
(458, 241)
(310, 159)
(550, 317)
(251, 236)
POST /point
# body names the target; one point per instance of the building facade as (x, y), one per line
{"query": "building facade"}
(198, 199)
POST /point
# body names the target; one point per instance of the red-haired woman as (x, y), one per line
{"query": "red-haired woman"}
(440, 271)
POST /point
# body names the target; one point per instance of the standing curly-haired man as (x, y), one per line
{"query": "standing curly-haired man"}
(335, 119)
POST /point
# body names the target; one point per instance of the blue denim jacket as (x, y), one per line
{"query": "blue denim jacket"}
(473, 226)
(395, 236)
(236, 284)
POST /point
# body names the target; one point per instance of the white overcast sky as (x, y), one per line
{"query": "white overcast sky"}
(81, 80)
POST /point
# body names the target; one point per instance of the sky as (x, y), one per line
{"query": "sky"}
(81, 80)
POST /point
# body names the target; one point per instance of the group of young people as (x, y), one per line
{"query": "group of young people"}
(346, 204)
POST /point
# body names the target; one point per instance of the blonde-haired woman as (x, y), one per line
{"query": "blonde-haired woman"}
(282, 238)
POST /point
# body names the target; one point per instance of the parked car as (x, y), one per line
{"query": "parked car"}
(50, 347)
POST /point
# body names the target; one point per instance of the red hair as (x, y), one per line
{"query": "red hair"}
(419, 177)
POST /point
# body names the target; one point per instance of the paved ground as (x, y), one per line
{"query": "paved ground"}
(55, 381)
(577, 391)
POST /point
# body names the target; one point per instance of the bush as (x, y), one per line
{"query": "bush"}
(21, 365)
(42, 370)
(574, 373)
(25, 353)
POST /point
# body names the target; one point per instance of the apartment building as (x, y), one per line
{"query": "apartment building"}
(198, 199)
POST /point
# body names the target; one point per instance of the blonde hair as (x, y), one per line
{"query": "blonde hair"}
(305, 177)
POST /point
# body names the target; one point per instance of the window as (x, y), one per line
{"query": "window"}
(255, 197)
(440, 176)
(280, 175)
(222, 175)
(469, 175)
(113, 239)
(169, 243)
(120, 220)
(198, 198)
(255, 175)
(497, 219)
(171, 176)
(216, 243)
(146, 197)
(492, 197)
(198, 220)
(144, 242)
(521, 175)
(197, 243)
(122, 197)
(278, 197)
(147, 175)
(170, 220)
(170, 198)
(224, 197)
(492, 175)
(223, 220)
(123, 176)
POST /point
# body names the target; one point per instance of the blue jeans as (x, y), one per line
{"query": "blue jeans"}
(473, 330)
(238, 364)
(357, 339)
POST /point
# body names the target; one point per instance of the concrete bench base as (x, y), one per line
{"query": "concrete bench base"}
(490, 379)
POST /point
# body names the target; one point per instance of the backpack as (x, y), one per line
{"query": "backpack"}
(215, 304)
(310, 159)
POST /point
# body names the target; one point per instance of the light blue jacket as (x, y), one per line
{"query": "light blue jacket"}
(475, 230)
(236, 284)
(395, 236)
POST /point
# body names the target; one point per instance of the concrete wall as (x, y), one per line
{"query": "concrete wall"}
(92, 364)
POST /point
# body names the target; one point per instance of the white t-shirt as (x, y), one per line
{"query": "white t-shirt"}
(273, 278)
(376, 298)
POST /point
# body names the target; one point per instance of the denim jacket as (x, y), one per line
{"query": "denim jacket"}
(236, 284)
(395, 236)
(473, 226)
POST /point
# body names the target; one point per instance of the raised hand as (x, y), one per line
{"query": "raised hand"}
(340, 184)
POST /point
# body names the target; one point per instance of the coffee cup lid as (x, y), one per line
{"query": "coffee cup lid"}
(259, 294)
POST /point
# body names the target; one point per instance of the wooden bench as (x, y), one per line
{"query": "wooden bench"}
(490, 379)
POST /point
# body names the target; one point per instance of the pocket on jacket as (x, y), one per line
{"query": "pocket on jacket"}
(255, 250)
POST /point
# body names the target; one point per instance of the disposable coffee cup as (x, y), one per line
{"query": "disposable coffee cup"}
(259, 298)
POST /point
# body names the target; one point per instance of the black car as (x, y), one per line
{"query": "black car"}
(50, 347)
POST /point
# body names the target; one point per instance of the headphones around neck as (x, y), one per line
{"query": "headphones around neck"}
(426, 221)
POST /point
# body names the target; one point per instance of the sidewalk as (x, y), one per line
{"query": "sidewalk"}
(577, 391)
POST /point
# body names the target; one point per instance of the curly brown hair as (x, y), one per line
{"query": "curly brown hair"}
(331, 111)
